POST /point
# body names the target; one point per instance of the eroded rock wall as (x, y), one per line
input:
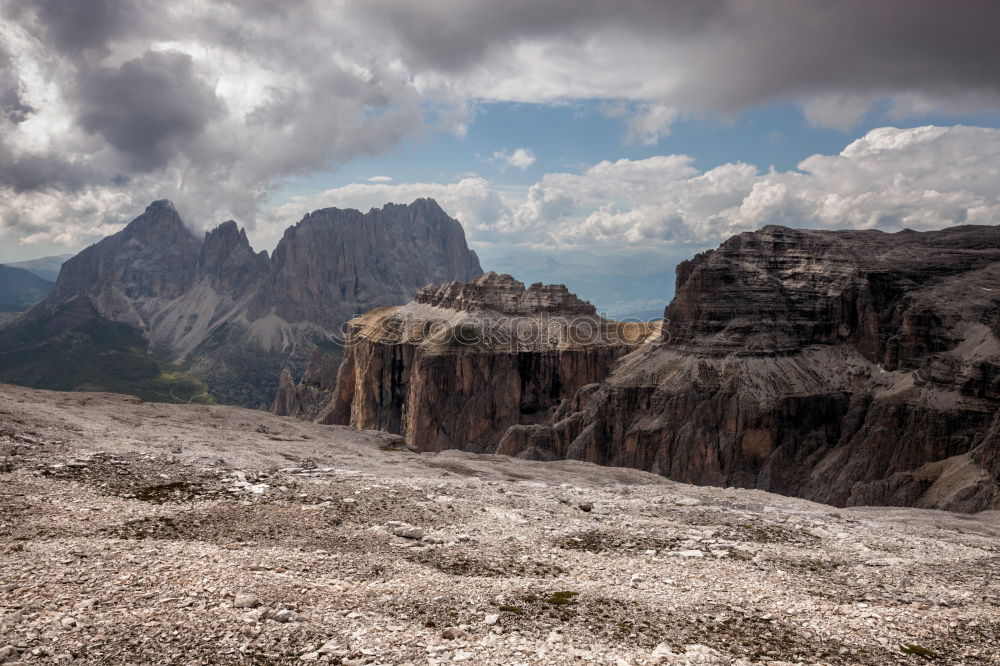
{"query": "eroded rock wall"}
(845, 367)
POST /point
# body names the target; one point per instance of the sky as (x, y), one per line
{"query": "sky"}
(588, 131)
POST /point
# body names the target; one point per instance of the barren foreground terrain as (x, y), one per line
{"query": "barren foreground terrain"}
(149, 533)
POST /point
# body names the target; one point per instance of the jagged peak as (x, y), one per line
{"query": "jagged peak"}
(500, 292)
(227, 233)
(332, 211)
(161, 204)
(159, 224)
(229, 226)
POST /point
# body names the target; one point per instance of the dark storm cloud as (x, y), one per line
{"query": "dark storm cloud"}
(107, 104)
(79, 26)
(149, 107)
(739, 52)
(12, 107)
(456, 34)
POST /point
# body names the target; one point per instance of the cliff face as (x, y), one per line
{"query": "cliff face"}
(460, 364)
(845, 367)
(336, 264)
(235, 318)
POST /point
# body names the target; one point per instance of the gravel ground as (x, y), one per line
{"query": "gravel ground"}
(148, 533)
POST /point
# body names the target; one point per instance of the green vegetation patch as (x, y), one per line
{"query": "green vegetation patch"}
(561, 598)
(73, 348)
(919, 651)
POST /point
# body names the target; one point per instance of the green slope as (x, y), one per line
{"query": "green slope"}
(73, 348)
(20, 289)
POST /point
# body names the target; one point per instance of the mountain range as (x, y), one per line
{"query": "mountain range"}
(157, 311)
(44, 267)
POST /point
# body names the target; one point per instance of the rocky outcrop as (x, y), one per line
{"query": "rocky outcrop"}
(309, 397)
(461, 363)
(845, 367)
(336, 264)
(235, 318)
(849, 367)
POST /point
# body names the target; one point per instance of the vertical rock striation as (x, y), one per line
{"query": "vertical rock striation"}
(461, 363)
(847, 367)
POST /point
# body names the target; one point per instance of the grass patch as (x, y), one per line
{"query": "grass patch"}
(919, 651)
(561, 598)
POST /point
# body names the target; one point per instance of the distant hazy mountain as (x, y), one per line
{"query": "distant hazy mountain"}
(165, 305)
(44, 267)
(20, 289)
(620, 286)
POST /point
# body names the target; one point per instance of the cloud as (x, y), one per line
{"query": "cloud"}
(380, 179)
(149, 108)
(522, 158)
(650, 123)
(700, 56)
(108, 104)
(889, 179)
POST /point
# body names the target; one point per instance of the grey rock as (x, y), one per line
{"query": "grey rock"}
(408, 532)
(237, 317)
(452, 633)
(284, 616)
(246, 601)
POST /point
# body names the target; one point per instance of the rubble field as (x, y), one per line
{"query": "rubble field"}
(141, 533)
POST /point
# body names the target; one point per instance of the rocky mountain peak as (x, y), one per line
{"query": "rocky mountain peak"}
(363, 260)
(160, 224)
(502, 293)
(154, 256)
(235, 317)
(778, 290)
(227, 257)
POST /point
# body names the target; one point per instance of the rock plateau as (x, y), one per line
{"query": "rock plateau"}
(846, 367)
(460, 364)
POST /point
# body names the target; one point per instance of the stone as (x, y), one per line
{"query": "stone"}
(408, 532)
(284, 616)
(245, 601)
(483, 359)
(451, 633)
(491, 619)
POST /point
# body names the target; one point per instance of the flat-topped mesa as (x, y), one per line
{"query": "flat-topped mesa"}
(503, 294)
(460, 363)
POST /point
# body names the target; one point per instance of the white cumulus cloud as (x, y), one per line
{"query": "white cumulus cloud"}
(521, 158)
(889, 179)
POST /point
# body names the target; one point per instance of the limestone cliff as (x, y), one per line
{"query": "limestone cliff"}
(845, 367)
(461, 363)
